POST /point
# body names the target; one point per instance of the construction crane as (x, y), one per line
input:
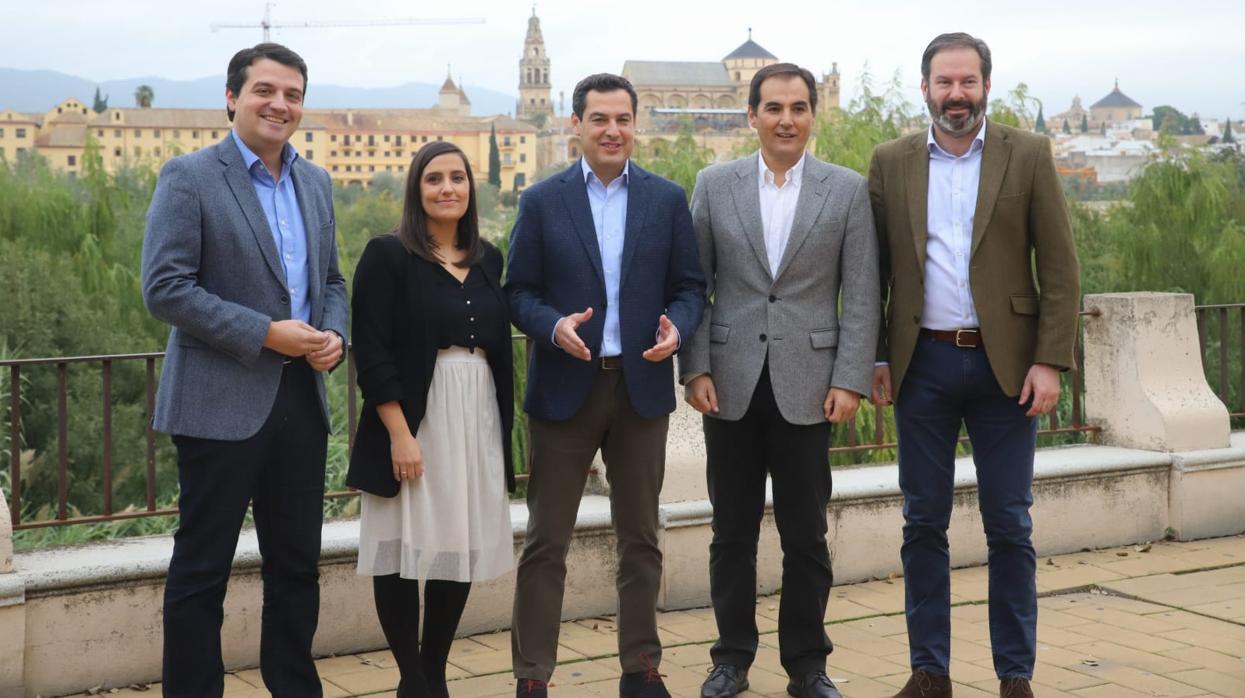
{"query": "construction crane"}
(267, 24)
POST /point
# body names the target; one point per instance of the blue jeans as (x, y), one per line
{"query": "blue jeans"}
(945, 385)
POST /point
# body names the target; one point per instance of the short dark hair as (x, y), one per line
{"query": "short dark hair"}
(789, 70)
(235, 76)
(942, 42)
(412, 230)
(601, 82)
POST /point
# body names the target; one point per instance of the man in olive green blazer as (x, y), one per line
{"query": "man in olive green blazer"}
(980, 284)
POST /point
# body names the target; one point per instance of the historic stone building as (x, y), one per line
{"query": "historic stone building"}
(535, 103)
(1115, 108)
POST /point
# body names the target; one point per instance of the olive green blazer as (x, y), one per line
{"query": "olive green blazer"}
(1023, 269)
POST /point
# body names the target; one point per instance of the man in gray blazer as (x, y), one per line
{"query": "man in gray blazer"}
(240, 257)
(785, 242)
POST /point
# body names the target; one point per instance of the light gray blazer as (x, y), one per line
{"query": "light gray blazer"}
(211, 270)
(795, 317)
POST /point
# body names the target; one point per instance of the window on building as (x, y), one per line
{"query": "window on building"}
(358, 153)
(371, 153)
(310, 154)
(542, 101)
(371, 168)
(520, 179)
(20, 132)
(505, 160)
(332, 153)
(177, 133)
(386, 153)
(116, 116)
(522, 139)
(505, 140)
(2, 133)
(99, 133)
(389, 168)
(194, 134)
(334, 168)
(397, 153)
(386, 139)
(72, 160)
(116, 133)
(397, 140)
(423, 139)
(116, 152)
(346, 139)
(371, 139)
(440, 138)
(155, 133)
(401, 168)
(333, 138)
(215, 135)
(522, 157)
(307, 137)
(138, 133)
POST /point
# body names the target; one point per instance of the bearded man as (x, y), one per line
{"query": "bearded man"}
(979, 279)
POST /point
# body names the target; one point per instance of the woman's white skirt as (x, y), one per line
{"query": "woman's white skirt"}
(452, 523)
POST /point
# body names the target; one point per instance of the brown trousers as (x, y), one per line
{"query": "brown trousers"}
(634, 451)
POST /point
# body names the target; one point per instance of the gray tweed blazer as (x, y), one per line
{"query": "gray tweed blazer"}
(816, 320)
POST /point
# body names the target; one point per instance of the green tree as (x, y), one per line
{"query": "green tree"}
(1084, 123)
(494, 159)
(1014, 109)
(1170, 120)
(1066, 128)
(1227, 132)
(1040, 124)
(847, 137)
(144, 96)
(101, 103)
(679, 160)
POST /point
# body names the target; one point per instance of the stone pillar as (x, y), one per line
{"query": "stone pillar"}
(1144, 383)
(12, 613)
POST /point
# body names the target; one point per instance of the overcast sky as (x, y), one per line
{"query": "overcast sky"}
(1187, 55)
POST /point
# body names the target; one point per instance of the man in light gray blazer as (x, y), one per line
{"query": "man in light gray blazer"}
(240, 257)
(786, 349)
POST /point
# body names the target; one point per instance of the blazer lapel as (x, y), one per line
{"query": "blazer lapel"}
(575, 197)
(637, 208)
(311, 226)
(747, 196)
(813, 191)
(994, 157)
(917, 182)
(239, 181)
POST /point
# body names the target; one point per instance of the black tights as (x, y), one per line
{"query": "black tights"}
(397, 604)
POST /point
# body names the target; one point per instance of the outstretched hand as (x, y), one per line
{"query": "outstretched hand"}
(667, 341)
(568, 339)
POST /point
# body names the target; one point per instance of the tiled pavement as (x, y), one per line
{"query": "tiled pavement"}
(1166, 619)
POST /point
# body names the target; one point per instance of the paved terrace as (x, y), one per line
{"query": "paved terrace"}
(1166, 619)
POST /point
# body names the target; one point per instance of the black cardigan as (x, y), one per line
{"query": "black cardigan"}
(395, 352)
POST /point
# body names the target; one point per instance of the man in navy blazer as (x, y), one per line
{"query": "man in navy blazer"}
(604, 276)
(240, 257)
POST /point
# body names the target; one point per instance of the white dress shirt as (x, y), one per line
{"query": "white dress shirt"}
(950, 210)
(609, 217)
(778, 209)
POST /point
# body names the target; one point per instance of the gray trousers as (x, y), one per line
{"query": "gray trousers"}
(634, 451)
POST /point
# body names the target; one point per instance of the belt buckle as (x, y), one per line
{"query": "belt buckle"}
(971, 333)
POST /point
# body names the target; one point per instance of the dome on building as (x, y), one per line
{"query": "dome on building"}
(1115, 99)
(750, 49)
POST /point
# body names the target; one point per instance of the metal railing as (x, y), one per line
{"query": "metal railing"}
(1214, 339)
(1219, 326)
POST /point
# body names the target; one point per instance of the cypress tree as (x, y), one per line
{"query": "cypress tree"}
(494, 159)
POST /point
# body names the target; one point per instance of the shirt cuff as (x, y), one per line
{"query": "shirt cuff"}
(553, 336)
(678, 344)
(879, 364)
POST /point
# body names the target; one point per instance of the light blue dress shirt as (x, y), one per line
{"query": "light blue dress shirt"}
(951, 209)
(609, 218)
(285, 220)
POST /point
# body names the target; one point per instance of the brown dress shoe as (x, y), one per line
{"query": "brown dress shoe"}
(923, 684)
(1015, 687)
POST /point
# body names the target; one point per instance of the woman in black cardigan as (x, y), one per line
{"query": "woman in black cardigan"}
(432, 453)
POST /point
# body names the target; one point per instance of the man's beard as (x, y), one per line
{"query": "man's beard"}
(957, 126)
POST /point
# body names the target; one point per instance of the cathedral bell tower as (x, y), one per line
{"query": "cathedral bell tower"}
(535, 98)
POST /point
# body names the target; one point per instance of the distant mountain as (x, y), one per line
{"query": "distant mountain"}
(40, 90)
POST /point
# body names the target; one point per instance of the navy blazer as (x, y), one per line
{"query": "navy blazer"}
(554, 270)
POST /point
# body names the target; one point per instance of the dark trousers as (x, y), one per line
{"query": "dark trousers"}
(943, 386)
(280, 472)
(634, 451)
(740, 454)
(421, 661)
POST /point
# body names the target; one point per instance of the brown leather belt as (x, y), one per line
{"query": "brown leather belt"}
(965, 339)
(611, 363)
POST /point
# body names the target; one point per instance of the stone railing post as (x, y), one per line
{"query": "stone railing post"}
(1144, 383)
(12, 612)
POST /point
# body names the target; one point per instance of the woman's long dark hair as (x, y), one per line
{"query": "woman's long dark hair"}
(413, 229)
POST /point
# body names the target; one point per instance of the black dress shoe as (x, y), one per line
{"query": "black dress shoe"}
(813, 685)
(642, 684)
(725, 681)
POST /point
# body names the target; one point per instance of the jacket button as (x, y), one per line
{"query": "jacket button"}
(285, 300)
(762, 337)
(772, 298)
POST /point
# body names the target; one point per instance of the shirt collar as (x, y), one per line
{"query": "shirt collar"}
(794, 175)
(288, 153)
(979, 141)
(589, 175)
